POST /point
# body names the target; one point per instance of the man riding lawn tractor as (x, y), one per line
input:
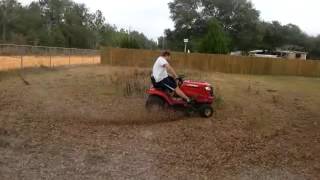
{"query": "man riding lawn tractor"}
(194, 96)
(162, 78)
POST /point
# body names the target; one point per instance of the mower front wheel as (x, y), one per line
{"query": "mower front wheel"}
(206, 111)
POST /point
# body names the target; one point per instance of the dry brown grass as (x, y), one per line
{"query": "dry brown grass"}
(78, 123)
(14, 62)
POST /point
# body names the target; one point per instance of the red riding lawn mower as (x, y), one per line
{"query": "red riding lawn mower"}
(201, 93)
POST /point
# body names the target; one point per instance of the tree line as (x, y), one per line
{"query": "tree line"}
(221, 26)
(63, 23)
(212, 26)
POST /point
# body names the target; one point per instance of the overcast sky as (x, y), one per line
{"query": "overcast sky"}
(152, 16)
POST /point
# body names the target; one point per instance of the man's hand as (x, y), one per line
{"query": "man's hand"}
(178, 82)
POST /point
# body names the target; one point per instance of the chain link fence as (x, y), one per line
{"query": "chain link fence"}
(24, 56)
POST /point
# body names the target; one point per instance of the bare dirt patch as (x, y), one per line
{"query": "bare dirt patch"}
(89, 122)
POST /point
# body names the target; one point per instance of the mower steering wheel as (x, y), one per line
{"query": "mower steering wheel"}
(181, 76)
(180, 79)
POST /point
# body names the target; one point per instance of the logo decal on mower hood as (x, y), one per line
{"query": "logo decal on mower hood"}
(192, 85)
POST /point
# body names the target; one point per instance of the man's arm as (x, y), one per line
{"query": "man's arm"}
(171, 71)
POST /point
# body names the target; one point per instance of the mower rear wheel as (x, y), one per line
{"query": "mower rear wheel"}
(155, 104)
(206, 111)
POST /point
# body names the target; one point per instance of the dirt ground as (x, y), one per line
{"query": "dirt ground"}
(85, 123)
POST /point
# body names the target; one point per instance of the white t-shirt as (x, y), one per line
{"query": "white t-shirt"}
(159, 71)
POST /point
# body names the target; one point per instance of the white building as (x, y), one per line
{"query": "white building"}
(293, 55)
(279, 54)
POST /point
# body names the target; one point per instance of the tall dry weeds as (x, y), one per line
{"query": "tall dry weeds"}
(131, 83)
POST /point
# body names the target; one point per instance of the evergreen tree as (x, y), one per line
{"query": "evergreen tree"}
(215, 41)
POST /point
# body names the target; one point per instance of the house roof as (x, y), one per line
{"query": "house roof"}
(296, 52)
(281, 51)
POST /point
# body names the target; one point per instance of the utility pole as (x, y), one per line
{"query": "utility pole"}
(163, 42)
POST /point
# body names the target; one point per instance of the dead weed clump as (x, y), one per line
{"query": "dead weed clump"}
(131, 83)
(219, 100)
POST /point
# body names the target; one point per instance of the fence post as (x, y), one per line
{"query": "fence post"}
(81, 58)
(111, 60)
(69, 57)
(50, 59)
(21, 62)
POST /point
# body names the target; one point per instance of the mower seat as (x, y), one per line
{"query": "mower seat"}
(160, 88)
(155, 84)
